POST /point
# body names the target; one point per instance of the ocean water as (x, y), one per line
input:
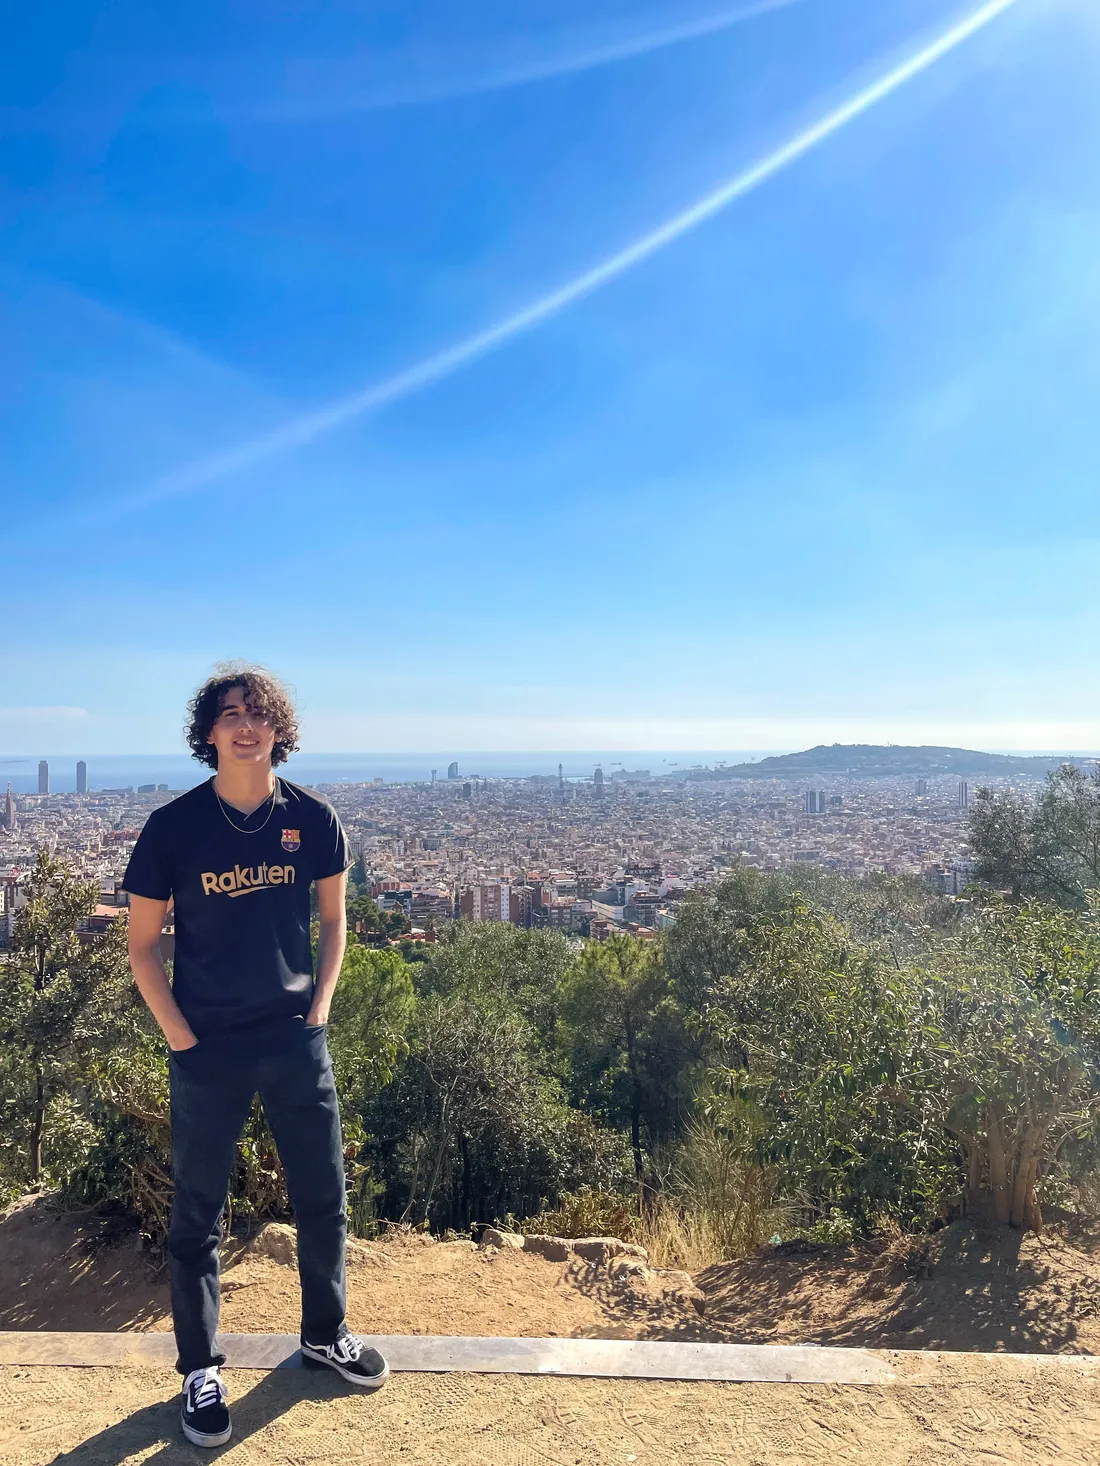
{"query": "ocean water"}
(178, 771)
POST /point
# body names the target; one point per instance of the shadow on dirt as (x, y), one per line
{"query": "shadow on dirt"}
(152, 1434)
(967, 1288)
(80, 1271)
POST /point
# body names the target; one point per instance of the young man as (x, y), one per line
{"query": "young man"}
(243, 1014)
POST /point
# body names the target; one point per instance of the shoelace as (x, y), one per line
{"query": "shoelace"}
(206, 1389)
(347, 1349)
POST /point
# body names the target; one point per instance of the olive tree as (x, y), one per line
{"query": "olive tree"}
(1011, 1039)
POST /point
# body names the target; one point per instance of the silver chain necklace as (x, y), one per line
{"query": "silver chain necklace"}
(240, 828)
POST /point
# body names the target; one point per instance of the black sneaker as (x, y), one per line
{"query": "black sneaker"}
(205, 1415)
(350, 1357)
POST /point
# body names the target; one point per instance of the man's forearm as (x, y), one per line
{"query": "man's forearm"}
(330, 956)
(153, 985)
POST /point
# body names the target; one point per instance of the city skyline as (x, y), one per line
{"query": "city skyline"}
(809, 465)
(177, 771)
(585, 857)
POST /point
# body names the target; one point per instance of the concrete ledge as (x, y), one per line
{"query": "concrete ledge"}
(425, 1353)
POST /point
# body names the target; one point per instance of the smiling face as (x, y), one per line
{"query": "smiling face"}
(241, 735)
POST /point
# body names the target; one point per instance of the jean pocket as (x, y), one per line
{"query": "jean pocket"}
(184, 1057)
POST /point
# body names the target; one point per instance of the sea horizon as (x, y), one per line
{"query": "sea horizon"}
(179, 771)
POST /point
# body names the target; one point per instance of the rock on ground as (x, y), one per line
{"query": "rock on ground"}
(277, 1241)
(494, 1237)
(602, 1250)
(553, 1249)
(598, 1251)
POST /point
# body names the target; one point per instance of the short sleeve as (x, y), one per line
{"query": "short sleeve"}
(334, 856)
(147, 873)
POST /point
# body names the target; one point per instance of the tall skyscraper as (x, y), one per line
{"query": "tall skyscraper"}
(597, 780)
(922, 787)
(452, 770)
(964, 794)
(43, 777)
(814, 801)
(9, 811)
(81, 777)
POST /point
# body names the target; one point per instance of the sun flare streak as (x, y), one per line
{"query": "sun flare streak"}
(312, 425)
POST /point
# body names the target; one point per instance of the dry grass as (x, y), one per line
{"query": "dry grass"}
(692, 1230)
(714, 1206)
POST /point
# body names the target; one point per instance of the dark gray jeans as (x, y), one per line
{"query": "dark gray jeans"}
(212, 1088)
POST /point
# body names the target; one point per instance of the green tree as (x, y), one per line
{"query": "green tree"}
(370, 1014)
(1011, 1029)
(628, 1048)
(473, 1128)
(522, 969)
(1046, 848)
(714, 940)
(369, 923)
(57, 990)
(896, 915)
(810, 1047)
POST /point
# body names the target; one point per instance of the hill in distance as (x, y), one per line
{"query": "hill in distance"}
(872, 760)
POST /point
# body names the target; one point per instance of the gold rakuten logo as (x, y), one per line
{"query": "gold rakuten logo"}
(243, 879)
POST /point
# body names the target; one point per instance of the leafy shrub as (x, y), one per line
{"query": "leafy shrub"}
(588, 1213)
(472, 1128)
(836, 1230)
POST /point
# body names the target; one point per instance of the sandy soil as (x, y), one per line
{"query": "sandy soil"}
(964, 1289)
(64, 1272)
(987, 1412)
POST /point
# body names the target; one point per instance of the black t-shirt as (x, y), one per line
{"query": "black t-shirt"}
(243, 958)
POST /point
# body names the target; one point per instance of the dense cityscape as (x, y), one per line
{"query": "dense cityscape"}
(582, 856)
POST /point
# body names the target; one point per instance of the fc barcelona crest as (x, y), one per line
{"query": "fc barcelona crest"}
(291, 839)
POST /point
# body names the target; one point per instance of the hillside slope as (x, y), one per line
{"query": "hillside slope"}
(962, 1288)
(872, 760)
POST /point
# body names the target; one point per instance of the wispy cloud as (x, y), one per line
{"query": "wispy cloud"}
(327, 101)
(310, 426)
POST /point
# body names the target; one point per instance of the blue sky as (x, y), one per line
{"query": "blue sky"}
(822, 468)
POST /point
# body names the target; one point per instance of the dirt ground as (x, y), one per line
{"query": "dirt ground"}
(963, 1290)
(980, 1411)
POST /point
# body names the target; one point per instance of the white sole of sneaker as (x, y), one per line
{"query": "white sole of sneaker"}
(205, 1438)
(373, 1382)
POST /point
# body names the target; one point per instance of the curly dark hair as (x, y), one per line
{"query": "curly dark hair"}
(263, 693)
